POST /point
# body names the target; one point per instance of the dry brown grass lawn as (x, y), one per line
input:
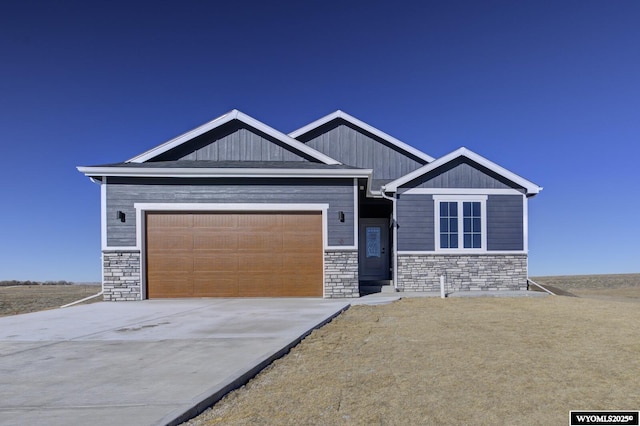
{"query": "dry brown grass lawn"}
(455, 361)
(619, 287)
(31, 298)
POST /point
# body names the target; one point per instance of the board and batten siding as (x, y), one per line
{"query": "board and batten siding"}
(232, 142)
(505, 223)
(415, 218)
(459, 175)
(415, 222)
(122, 193)
(355, 148)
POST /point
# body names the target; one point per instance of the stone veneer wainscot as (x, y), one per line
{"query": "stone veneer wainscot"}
(121, 279)
(341, 274)
(462, 272)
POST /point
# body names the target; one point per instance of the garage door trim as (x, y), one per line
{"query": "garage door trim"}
(142, 208)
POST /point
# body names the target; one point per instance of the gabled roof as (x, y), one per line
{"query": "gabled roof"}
(529, 186)
(217, 122)
(364, 126)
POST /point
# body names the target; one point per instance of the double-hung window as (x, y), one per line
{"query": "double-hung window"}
(460, 222)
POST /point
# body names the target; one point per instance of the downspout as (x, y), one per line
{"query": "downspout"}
(82, 300)
(394, 223)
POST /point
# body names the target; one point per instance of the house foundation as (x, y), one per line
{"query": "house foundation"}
(121, 275)
(341, 274)
(418, 272)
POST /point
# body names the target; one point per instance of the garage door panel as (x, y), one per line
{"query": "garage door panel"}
(253, 284)
(218, 221)
(234, 254)
(212, 240)
(222, 285)
(300, 262)
(259, 241)
(259, 261)
(170, 285)
(301, 239)
(168, 262)
(175, 220)
(299, 285)
(215, 263)
(170, 241)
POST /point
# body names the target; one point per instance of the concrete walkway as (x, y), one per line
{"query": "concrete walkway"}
(153, 362)
(142, 363)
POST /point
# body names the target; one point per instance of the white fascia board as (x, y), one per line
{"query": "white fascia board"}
(222, 172)
(460, 191)
(367, 127)
(531, 187)
(217, 122)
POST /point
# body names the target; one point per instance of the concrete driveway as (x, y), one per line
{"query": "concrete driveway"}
(142, 363)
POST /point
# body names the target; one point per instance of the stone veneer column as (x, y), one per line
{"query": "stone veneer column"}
(341, 274)
(121, 275)
(462, 272)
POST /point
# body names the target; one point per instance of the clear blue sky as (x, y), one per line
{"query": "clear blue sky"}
(547, 89)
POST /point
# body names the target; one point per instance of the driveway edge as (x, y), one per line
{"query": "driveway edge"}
(239, 378)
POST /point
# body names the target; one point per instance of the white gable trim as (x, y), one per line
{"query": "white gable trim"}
(343, 115)
(232, 115)
(530, 187)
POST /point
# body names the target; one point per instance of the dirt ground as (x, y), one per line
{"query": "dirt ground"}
(488, 361)
(32, 298)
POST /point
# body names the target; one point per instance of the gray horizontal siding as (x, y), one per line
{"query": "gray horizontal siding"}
(415, 223)
(355, 148)
(458, 175)
(505, 229)
(123, 193)
(233, 141)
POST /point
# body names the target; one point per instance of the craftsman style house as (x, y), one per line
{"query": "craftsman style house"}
(235, 208)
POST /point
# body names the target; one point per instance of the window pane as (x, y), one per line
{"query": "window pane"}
(453, 225)
(477, 241)
(453, 209)
(444, 240)
(453, 241)
(444, 209)
(476, 209)
(466, 209)
(467, 241)
(444, 225)
(476, 224)
(467, 225)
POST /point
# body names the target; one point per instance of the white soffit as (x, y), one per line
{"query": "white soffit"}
(223, 119)
(358, 123)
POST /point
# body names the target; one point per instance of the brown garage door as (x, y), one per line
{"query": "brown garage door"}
(234, 254)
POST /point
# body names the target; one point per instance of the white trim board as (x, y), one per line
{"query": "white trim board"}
(223, 119)
(459, 191)
(460, 253)
(207, 172)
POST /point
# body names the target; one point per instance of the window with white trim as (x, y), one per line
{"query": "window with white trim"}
(460, 222)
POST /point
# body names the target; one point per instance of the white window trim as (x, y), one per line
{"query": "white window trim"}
(482, 199)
